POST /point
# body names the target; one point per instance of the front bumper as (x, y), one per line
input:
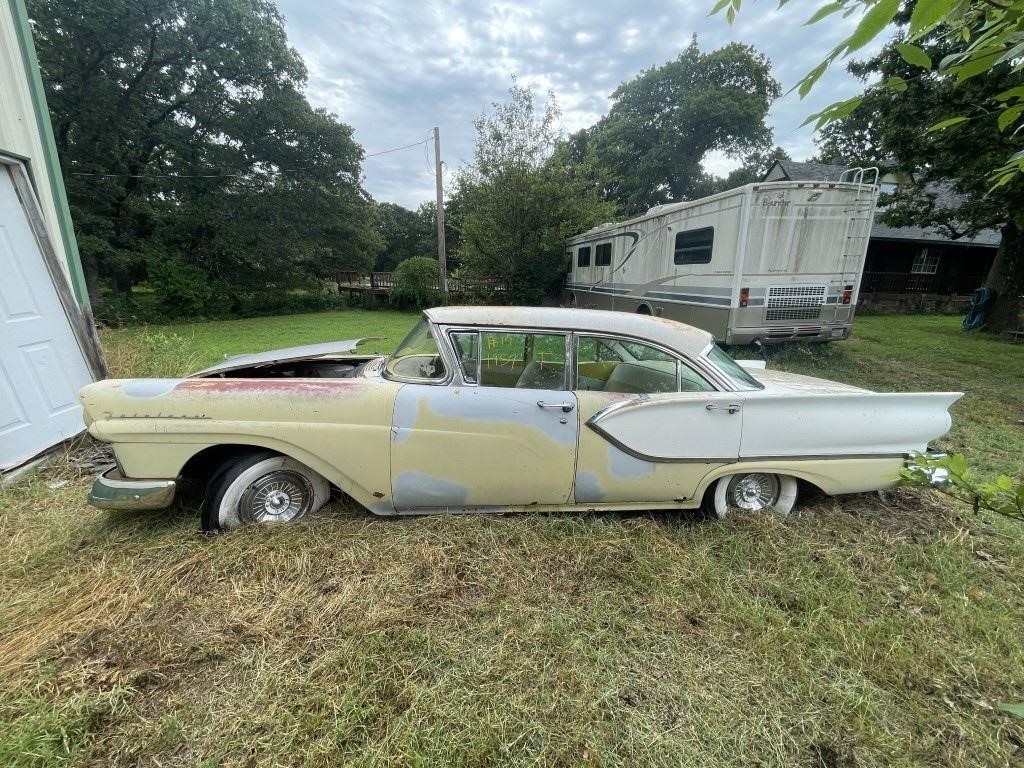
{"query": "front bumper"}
(779, 334)
(112, 490)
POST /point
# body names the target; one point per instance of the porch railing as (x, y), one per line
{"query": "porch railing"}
(907, 282)
(386, 281)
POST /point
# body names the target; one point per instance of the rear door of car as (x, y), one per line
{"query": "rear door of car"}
(647, 446)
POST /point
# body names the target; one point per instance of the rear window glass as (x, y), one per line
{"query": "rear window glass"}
(733, 370)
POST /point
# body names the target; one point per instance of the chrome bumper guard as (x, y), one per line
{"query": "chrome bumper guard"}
(112, 490)
(938, 476)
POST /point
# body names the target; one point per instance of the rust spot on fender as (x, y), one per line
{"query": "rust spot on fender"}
(378, 494)
(297, 387)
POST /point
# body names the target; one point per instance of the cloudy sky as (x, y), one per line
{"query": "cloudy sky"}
(395, 69)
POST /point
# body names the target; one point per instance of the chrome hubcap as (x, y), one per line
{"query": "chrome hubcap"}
(754, 492)
(276, 498)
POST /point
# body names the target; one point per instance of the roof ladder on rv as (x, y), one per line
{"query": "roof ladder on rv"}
(858, 226)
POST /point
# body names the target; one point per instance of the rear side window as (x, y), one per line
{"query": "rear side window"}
(694, 247)
(583, 256)
(603, 255)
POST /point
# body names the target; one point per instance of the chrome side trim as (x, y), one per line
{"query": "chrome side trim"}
(721, 459)
(112, 490)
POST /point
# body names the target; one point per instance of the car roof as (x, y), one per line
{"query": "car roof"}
(678, 336)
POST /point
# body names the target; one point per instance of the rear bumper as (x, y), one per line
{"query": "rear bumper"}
(937, 476)
(112, 490)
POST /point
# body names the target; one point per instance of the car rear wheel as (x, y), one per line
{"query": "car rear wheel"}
(751, 492)
(262, 488)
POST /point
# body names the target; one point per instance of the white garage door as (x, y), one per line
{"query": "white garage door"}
(41, 364)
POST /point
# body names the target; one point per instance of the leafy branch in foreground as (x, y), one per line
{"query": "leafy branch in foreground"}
(952, 476)
(986, 34)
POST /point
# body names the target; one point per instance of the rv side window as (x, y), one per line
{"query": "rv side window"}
(694, 247)
(603, 255)
(583, 256)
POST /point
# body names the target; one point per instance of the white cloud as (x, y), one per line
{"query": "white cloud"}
(393, 69)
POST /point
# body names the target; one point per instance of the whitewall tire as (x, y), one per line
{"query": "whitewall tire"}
(752, 492)
(262, 488)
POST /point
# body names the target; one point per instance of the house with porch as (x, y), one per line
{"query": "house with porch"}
(918, 262)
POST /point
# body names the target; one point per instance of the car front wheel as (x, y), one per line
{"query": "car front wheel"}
(751, 492)
(262, 488)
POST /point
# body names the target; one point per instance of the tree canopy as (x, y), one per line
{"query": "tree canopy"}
(663, 123)
(976, 37)
(190, 151)
(949, 171)
(517, 202)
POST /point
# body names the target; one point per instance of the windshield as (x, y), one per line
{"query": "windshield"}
(417, 357)
(733, 370)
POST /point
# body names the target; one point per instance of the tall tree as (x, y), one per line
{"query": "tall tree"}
(885, 129)
(517, 203)
(649, 148)
(186, 140)
(977, 37)
(403, 234)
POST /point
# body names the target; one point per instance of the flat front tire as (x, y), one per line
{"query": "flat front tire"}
(262, 488)
(751, 492)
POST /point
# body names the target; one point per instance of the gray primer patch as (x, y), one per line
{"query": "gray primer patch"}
(588, 488)
(621, 464)
(496, 404)
(418, 489)
(407, 405)
(147, 388)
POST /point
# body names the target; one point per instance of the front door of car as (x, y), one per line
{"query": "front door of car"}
(646, 436)
(505, 441)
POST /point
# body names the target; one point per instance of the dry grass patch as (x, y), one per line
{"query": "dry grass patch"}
(839, 638)
(864, 631)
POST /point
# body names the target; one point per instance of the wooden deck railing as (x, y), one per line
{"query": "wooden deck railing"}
(384, 281)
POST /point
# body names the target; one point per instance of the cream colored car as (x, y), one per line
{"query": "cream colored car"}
(501, 409)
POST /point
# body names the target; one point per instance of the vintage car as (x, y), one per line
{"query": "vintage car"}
(502, 409)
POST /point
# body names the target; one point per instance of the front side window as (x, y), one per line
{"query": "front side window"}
(694, 246)
(583, 256)
(523, 360)
(603, 255)
(417, 357)
(467, 351)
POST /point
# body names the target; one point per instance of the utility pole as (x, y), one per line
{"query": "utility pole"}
(442, 261)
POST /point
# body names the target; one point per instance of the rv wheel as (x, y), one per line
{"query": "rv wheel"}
(643, 309)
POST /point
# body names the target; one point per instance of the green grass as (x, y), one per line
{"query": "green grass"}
(863, 631)
(177, 349)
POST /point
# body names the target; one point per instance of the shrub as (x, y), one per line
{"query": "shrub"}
(415, 284)
(181, 289)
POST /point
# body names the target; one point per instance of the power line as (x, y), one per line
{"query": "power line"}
(396, 149)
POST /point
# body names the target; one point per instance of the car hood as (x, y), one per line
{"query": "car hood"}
(781, 381)
(286, 355)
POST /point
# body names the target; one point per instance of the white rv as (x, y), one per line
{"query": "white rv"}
(770, 261)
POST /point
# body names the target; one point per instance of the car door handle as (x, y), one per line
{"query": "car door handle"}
(731, 408)
(566, 407)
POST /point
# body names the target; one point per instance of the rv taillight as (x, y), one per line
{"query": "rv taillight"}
(847, 294)
(744, 296)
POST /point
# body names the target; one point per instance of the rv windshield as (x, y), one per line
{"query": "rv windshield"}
(732, 369)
